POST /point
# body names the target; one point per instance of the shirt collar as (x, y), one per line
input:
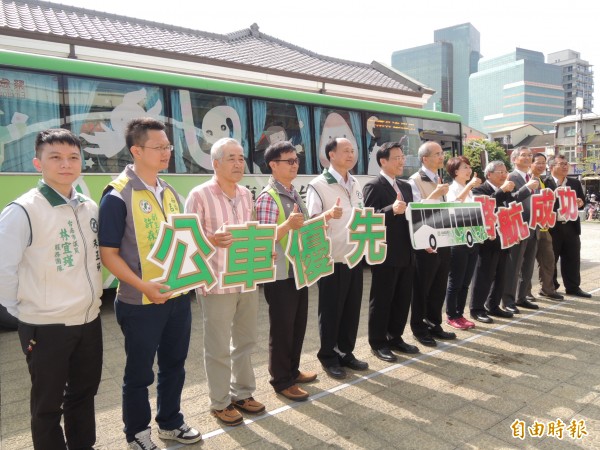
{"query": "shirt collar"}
(387, 177)
(432, 175)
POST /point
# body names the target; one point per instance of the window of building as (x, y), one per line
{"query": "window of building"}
(569, 131)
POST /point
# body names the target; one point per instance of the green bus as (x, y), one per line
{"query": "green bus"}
(95, 101)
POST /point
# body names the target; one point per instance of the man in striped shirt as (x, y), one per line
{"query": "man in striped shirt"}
(230, 315)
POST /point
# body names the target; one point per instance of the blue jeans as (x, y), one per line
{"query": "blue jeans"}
(462, 265)
(150, 331)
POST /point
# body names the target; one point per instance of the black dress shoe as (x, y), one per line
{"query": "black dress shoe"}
(427, 340)
(579, 293)
(384, 354)
(527, 305)
(335, 372)
(553, 296)
(512, 309)
(441, 334)
(530, 298)
(480, 316)
(500, 313)
(403, 347)
(356, 364)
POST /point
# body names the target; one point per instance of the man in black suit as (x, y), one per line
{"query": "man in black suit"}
(391, 285)
(488, 283)
(514, 293)
(565, 234)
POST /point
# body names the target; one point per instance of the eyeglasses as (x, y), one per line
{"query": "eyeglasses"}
(562, 164)
(166, 148)
(500, 171)
(291, 162)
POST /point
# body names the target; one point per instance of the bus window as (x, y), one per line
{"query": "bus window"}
(99, 110)
(200, 120)
(429, 219)
(277, 121)
(446, 223)
(460, 219)
(439, 221)
(29, 103)
(417, 219)
(334, 123)
(383, 128)
(478, 217)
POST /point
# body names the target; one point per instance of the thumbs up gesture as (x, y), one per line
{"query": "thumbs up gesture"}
(336, 210)
(296, 219)
(399, 206)
(475, 181)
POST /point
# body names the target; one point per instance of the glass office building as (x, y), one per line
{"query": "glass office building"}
(444, 66)
(515, 89)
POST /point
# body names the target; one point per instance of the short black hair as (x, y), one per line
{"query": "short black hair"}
(275, 150)
(539, 155)
(384, 151)
(330, 147)
(136, 132)
(55, 136)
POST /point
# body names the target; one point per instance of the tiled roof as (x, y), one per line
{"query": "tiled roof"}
(249, 48)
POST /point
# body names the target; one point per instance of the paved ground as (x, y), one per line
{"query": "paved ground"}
(540, 366)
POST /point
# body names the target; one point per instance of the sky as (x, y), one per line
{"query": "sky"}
(372, 30)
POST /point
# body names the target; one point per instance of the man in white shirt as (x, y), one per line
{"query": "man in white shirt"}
(335, 193)
(432, 265)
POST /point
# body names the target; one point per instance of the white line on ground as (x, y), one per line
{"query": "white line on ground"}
(444, 347)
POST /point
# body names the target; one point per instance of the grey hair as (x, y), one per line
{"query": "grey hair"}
(491, 167)
(425, 150)
(517, 152)
(552, 161)
(217, 149)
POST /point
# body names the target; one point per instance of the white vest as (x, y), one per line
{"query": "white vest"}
(329, 190)
(60, 275)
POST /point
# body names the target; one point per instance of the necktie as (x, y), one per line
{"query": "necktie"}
(397, 189)
(527, 177)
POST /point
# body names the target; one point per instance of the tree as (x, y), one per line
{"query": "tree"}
(473, 150)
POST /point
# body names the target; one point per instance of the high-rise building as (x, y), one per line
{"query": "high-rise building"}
(515, 89)
(444, 66)
(577, 79)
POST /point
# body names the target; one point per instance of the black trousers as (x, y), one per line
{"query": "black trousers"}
(288, 312)
(340, 295)
(488, 282)
(65, 365)
(429, 289)
(389, 302)
(566, 244)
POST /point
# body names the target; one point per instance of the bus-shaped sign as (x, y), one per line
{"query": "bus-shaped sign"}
(434, 225)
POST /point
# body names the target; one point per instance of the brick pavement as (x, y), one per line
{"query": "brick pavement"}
(542, 366)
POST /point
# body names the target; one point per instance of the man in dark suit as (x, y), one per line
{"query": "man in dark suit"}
(565, 234)
(391, 285)
(525, 186)
(488, 282)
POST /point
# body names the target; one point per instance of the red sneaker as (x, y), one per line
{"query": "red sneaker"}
(456, 323)
(467, 323)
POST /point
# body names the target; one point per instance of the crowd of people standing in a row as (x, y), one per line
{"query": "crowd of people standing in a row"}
(56, 240)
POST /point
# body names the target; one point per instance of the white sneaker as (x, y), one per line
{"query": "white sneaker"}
(184, 434)
(143, 441)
